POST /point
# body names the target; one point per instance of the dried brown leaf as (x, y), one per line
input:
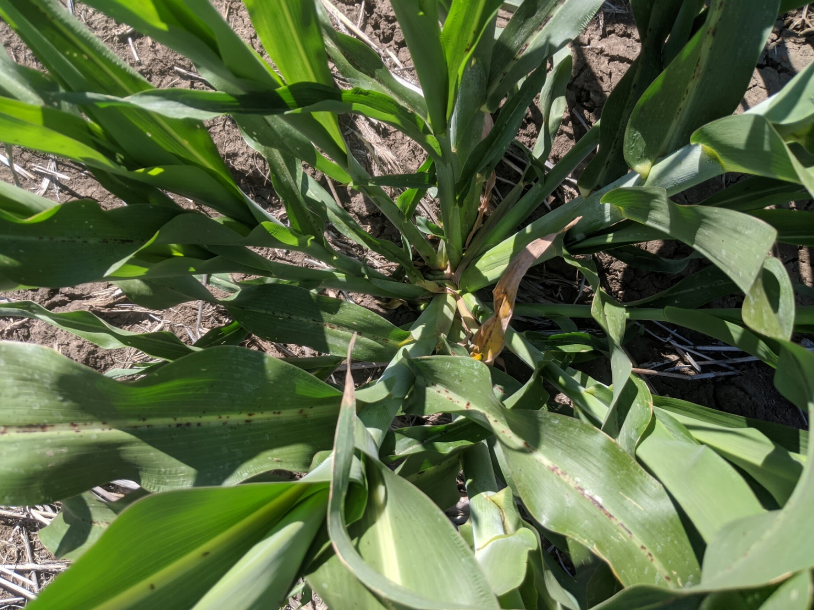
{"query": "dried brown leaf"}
(490, 338)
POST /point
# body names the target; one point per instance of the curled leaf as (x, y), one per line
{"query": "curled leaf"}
(488, 341)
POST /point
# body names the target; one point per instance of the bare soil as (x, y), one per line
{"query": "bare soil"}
(602, 54)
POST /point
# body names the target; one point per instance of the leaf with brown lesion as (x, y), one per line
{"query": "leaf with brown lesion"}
(490, 338)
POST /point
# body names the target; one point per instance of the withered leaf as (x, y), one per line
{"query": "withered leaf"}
(490, 338)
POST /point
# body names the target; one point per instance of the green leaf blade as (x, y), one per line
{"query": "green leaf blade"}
(704, 82)
(734, 242)
(214, 417)
(293, 315)
(572, 478)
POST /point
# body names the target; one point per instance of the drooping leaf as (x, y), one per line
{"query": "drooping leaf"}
(54, 131)
(750, 144)
(241, 260)
(612, 318)
(489, 339)
(84, 324)
(736, 243)
(769, 305)
(164, 293)
(23, 83)
(290, 314)
(286, 175)
(790, 110)
(195, 28)
(611, 504)
(755, 193)
(502, 542)
(213, 417)
(408, 201)
(81, 522)
(22, 203)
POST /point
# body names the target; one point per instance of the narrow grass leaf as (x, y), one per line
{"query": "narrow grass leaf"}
(84, 324)
(536, 31)
(793, 227)
(419, 23)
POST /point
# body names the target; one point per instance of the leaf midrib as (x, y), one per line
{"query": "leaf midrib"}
(627, 534)
(128, 597)
(129, 425)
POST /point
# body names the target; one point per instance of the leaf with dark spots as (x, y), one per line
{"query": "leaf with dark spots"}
(83, 241)
(65, 428)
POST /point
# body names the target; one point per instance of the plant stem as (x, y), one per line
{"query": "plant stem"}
(449, 205)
